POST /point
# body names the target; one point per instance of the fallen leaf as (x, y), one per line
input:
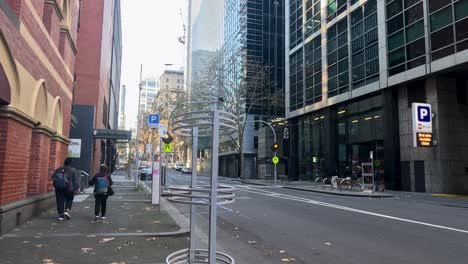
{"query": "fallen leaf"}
(157, 222)
(85, 250)
(269, 253)
(47, 260)
(37, 236)
(53, 224)
(151, 239)
(139, 231)
(40, 245)
(105, 240)
(122, 229)
(252, 242)
(237, 237)
(119, 247)
(86, 207)
(292, 259)
(25, 242)
(236, 228)
(328, 243)
(282, 251)
(285, 260)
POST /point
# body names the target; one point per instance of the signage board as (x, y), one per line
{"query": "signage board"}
(112, 134)
(74, 148)
(153, 120)
(422, 125)
(167, 148)
(162, 129)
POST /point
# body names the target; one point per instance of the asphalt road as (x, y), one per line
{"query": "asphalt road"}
(276, 225)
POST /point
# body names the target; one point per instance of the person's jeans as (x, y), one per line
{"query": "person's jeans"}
(69, 196)
(60, 197)
(100, 204)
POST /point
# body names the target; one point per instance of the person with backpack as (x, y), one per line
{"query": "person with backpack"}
(102, 182)
(66, 184)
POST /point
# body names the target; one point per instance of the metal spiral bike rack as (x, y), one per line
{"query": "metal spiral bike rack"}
(194, 124)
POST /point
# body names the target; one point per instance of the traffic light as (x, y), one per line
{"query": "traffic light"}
(274, 147)
(167, 139)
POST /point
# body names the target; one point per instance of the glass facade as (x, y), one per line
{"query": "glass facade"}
(354, 130)
(338, 63)
(296, 80)
(364, 44)
(405, 35)
(312, 19)
(313, 70)
(448, 27)
(295, 23)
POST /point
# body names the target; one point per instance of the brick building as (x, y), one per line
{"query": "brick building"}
(37, 58)
(98, 64)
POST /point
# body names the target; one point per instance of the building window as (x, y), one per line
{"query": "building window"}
(335, 8)
(313, 68)
(295, 23)
(313, 21)
(448, 27)
(178, 80)
(338, 69)
(405, 35)
(296, 80)
(461, 91)
(364, 44)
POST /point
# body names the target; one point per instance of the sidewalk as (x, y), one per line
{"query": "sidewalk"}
(135, 231)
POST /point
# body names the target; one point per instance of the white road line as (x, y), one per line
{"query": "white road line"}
(79, 198)
(315, 202)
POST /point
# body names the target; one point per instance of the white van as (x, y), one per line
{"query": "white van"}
(179, 166)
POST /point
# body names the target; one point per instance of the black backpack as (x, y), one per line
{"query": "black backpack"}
(61, 180)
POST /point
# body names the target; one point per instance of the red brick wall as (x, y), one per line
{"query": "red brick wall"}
(15, 6)
(51, 21)
(38, 6)
(15, 143)
(38, 164)
(53, 163)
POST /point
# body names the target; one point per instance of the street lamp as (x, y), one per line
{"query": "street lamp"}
(137, 152)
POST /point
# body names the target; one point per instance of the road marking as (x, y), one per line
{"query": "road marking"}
(79, 198)
(315, 202)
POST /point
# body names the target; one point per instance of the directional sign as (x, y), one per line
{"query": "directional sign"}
(162, 129)
(422, 125)
(275, 160)
(167, 148)
(153, 120)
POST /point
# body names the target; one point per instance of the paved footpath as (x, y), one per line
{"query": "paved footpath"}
(135, 231)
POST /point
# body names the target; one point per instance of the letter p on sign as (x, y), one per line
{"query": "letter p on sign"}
(424, 114)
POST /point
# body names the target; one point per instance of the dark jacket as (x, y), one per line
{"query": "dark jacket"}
(72, 173)
(94, 179)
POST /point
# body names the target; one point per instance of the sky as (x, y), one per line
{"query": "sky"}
(150, 31)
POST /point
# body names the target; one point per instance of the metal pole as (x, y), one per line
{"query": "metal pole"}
(160, 167)
(214, 188)
(193, 208)
(137, 129)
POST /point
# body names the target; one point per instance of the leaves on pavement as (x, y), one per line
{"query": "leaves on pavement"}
(85, 250)
(252, 242)
(40, 245)
(105, 240)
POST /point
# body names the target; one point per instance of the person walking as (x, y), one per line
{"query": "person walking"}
(102, 182)
(66, 185)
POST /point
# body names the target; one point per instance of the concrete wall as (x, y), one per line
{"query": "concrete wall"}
(445, 163)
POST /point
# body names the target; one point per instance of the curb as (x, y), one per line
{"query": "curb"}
(339, 193)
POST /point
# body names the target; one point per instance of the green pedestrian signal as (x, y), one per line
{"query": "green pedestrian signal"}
(167, 148)
(275, 160)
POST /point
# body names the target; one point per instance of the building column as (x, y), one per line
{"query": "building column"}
(15, 146)
(39, 160)
(392, 171)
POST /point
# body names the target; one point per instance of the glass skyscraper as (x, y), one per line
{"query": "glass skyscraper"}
(353, 70)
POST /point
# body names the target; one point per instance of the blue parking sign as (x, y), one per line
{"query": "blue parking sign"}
(153, 120)
(424, 113)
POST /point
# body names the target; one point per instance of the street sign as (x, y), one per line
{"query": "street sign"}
(156, 194)
(74, 149)
(162, 129)
(275, 160)
(167, 148)
(422, 125)
(153, 120)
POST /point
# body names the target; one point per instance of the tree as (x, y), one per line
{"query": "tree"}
(246, 87)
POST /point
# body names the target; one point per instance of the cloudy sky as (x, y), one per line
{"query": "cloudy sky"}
(150, 31)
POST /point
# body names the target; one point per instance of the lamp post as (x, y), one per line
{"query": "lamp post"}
(137, 152)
